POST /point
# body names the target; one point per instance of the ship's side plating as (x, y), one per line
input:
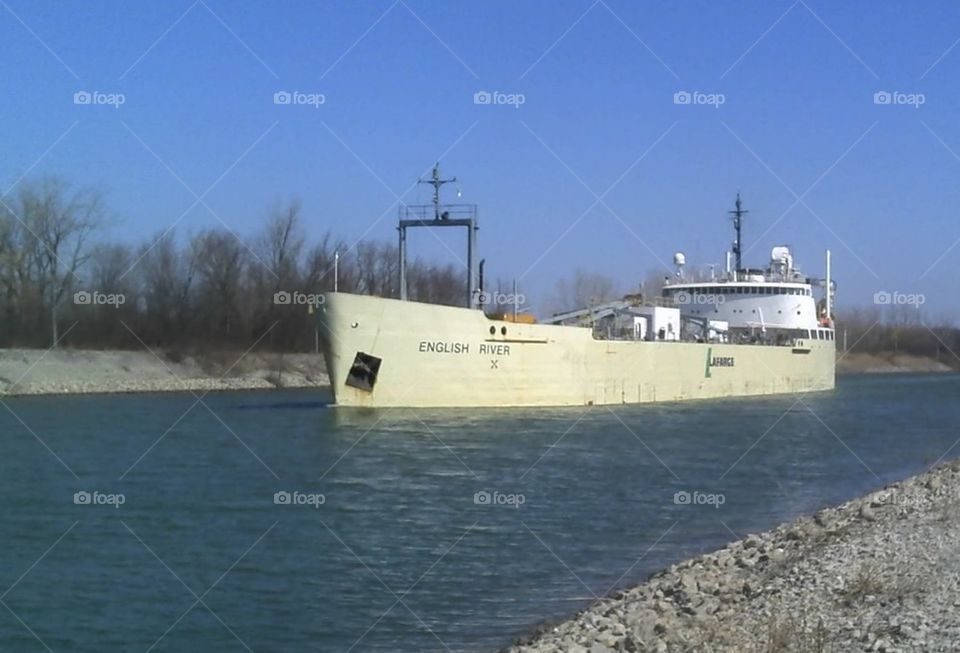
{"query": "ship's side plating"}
(390, 353)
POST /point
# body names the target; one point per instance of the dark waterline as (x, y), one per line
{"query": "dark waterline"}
(400, 557)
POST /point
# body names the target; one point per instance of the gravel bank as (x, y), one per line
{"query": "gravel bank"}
(35, 372)
(879, 573)
(888, 363)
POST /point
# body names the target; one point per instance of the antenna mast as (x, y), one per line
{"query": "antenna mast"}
(448, 215)
(738, 214)
(436, 182)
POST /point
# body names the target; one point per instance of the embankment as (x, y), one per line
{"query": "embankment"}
(879, 573)
(64, 371)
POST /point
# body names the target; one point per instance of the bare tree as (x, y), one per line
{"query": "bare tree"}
(221, 264)
(377, 269)
(584, 289)
(280, 246)
(166, 276)
(46, 242)
(320, 266)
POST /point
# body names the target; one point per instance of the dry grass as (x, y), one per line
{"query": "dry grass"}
(870, 582)
(867, 582)
(790, 635)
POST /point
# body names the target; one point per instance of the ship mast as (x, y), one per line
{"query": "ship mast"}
(738, 214)
(444, 215)
(436, 182)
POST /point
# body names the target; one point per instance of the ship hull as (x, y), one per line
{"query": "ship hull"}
(390, 353)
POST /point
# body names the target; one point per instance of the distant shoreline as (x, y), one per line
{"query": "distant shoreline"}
(889, 363)
(28, 372)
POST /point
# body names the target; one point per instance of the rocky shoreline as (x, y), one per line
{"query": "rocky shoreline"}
(889, 363)
(878, 573)
(26, 372)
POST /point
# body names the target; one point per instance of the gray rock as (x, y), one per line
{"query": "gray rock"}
(752, 541)
(885, 585)
(796, 533)
(746, 563)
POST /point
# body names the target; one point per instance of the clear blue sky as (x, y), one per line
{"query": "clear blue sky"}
(598, 78)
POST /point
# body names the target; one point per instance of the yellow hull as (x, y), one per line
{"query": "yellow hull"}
(441, 356)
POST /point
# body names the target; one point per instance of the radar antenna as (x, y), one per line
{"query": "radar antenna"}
(738, 214)
(436, 182)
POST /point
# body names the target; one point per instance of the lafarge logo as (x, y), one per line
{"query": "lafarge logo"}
(717, 361)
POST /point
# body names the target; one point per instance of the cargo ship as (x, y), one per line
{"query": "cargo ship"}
(740, 332)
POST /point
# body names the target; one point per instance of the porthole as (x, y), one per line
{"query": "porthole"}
(503, 331)
(493, 331)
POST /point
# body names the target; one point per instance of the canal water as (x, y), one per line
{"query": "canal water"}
(271, 522)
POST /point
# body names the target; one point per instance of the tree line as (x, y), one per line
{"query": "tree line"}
(899, 330)
(61, 284)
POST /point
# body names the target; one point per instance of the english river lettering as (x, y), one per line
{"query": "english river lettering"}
(441, 347)
(446, 347)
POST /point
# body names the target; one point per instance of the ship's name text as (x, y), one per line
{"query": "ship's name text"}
(442, 347)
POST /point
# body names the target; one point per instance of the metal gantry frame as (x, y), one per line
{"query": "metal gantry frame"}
(441, 215)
